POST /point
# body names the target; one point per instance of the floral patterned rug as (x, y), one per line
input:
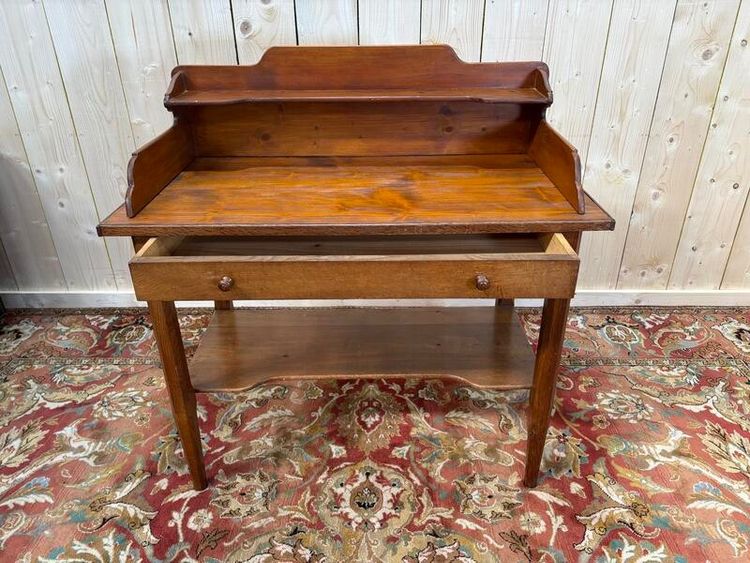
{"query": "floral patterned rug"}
(648, 459)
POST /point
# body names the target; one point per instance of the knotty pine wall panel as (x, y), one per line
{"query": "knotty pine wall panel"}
(653, 93)
(33, 263)
(86, 58)
(695, 59)
(710, 231)
(39, 103)
(628, 88)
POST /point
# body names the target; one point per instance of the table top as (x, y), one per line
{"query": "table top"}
(268, 196)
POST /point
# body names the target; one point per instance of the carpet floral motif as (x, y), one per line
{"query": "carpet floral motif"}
(648, 457)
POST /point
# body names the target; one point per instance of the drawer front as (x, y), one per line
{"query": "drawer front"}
(292, 277)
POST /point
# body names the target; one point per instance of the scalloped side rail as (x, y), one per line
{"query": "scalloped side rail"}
(560, 162)
(156, 164)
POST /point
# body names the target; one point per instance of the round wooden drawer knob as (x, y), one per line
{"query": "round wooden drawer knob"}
(226, 283)
(482, 282)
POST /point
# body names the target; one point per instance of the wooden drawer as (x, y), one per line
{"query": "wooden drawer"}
(218, 268)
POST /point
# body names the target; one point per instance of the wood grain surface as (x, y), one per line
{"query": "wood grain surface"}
(389, 22)
(87, 61)
(559, 161)
(698, 47)
(546, 367)
(142, 38)
(485, 94)
(39, 123)
(574, 47)
(219, 268)
(483, 346)
(722, 183)
(181, 392)
(327, 22)
(363, 128)
(621, 124)
(364, 67)
(202, 31)
(153, 166)
(32, 259)
(259, 24)
(454, 22)
(514, 30)
(39, 102)
(344, 197)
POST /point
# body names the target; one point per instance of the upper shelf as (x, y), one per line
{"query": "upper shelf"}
(528, 95)
(362, 74)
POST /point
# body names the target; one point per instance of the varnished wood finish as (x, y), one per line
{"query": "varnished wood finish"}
(362, 128)
(358, 172)
(574, 239)
(549, 349)
(484, 346)
(488, 95)
(181, 393)
(358, 268)
(423, 67)
(559, 161)
(345, 197)
(161, 223)
(294, 102)
(492, 161)
(355, 279)
(153, 166)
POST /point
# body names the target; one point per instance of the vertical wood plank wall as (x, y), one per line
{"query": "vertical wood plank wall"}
(654, 93)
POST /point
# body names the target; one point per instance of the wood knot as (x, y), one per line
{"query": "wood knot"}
(246, 27)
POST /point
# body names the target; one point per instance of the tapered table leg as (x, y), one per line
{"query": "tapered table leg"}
(223, 305)
(549, 349)
(504, 302)
(181, 392)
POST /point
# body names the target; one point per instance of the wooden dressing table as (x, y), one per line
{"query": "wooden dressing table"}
(357, 172)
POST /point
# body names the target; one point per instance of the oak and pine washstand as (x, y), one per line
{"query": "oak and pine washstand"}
(357, 173)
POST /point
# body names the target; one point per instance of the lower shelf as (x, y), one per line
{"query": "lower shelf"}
(483, 346)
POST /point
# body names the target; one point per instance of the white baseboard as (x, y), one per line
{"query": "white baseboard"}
(583, 298)
(666, 298)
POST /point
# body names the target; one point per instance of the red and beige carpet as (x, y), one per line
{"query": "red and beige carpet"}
(648, 459)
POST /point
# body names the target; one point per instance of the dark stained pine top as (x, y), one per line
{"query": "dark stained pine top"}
(357, 141)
